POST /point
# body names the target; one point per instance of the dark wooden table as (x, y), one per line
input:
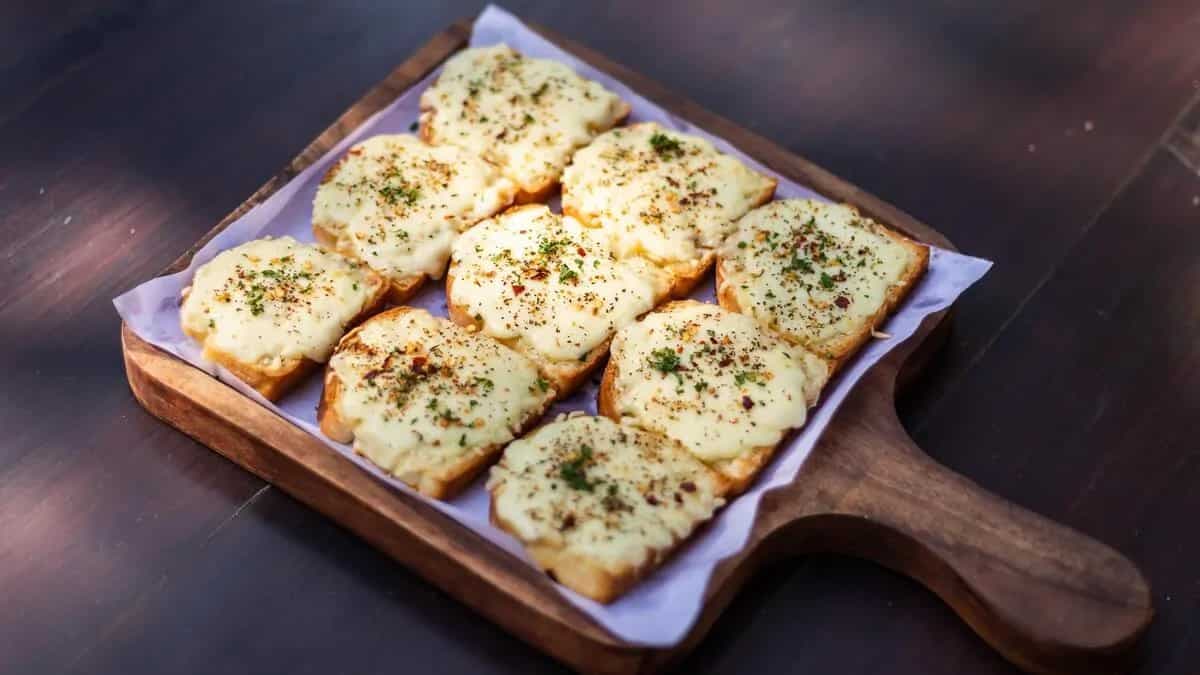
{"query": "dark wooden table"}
(1061, 141)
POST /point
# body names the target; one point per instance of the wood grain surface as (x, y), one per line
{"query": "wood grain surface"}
(1037, 135)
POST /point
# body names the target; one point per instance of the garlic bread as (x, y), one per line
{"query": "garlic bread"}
(549, 288)
(427, 401)
(726, 388)
(599, 505)
(271, 310)
(820, 273)
(525, 115)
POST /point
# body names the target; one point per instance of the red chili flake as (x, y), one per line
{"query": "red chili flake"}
(842, 301)
(747, 403)
(581, 252)
(726, 362)
(418, 364)
(678, 498)
(569, 521)
(518, 289)
(687, 486)
(539, 274)
(652, 500)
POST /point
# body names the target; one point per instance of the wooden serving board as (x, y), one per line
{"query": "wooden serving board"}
(1048, 598)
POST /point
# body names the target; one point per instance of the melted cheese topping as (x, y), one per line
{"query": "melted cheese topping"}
(271, 302)
(397, 204)
(550, 282)
(661, 194)
(613, 494)
(525, 115)
(819, 272)
(421, 393)
(712, 379)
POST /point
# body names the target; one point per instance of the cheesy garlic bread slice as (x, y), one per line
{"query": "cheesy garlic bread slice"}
(726, 388)
(549, 288)
(820, 273)
(663, 195)
(525, 115)
(396, 204)
(271, 310)
(427, 401)
(599, 505)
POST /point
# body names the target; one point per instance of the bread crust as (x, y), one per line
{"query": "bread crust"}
(839, 352)
(448, 480)
(273, 383)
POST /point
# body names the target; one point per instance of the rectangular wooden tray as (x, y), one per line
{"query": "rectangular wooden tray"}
(1046, 597)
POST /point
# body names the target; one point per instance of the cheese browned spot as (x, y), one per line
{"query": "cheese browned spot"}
(397, 203)
(271, 302)
(816, 271)
(665, 195)
(526, 115)
(597, 503)
(713, 379)
(549, 283)
(422, 394)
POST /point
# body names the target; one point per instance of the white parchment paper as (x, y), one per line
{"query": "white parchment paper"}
(659, 611)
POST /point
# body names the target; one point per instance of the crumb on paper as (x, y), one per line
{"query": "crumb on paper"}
(133, 230)
(1088, 125)
(880, 334)
(1032, 148)
(41, 191)
(1195, 200)
(67, 220)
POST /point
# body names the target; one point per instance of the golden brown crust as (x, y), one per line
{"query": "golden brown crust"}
(273, 383)
(837, 353)
(448, 480)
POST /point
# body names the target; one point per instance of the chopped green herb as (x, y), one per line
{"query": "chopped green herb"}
(484, 383)
(574, 470)
(566, 274)
(666, 146)
(543, 384)
(742, 244)
(394, 194)
(540, 90)
(664, 360)
(798, 264)
(826, 281)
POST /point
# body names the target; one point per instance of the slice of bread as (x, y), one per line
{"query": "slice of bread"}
(527, 116)
(599, 505)
(666, 196)
(820, 273)
(271, 310)
(427, 401)
(549, 288)
(716, 381)
(396, 204)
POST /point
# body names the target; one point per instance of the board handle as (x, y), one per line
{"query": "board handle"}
(1047, 597)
